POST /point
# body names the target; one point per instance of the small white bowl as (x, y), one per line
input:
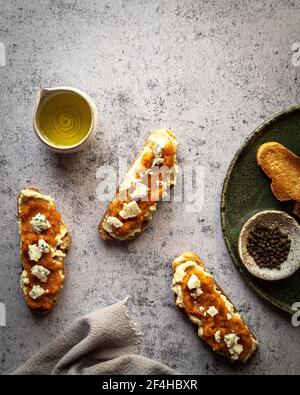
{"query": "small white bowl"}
(45, 94)
(287, 225)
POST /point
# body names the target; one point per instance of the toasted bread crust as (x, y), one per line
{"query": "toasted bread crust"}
(105, 236)
(47, 302)
(283, 167)
(225, 320)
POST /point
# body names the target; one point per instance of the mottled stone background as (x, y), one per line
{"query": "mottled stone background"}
(210, 70)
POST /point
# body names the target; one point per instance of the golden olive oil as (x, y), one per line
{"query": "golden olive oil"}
(64, 119)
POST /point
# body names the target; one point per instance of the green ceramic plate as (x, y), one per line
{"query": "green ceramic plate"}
(247, 191)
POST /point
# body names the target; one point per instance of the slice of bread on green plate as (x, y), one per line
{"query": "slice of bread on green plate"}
(283, 167)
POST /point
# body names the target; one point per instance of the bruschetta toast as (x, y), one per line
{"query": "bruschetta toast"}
(44, 242)
(283, 167)
(146, 182)
(219, 324)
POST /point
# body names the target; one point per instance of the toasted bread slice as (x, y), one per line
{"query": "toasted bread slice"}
(283, 167)
(44, 243)
(219, 323)
(146, 182)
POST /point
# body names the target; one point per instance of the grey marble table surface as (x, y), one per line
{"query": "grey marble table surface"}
(210, 70)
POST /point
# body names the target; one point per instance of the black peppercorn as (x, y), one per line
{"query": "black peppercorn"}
(268, 246)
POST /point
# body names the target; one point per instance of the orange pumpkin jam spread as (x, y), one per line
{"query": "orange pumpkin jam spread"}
(30, 207)
(156, 181)
(224, 321)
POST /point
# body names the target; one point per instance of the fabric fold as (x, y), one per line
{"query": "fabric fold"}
(102, 342)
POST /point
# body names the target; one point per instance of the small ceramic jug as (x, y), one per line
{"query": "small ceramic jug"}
(65, 119)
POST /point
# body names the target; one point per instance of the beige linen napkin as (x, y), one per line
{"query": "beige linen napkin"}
(103, 342)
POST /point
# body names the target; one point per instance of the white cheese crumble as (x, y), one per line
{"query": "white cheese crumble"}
(217, 336)
(40, 272)
(193, 282)
(195, 320)
(140, 191)
(37, 291)
(57, 253)
(130, 210)
(229, 316)
(198, 292)
(24, 281)
(39, 223)
(235, 349)
(157, 147)
(157, 161)
(126, 183)
(34, 252)
(212, 311)
(43, 246)
(178, 277)
(111, 222)
(200, 331)
(149, 172)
